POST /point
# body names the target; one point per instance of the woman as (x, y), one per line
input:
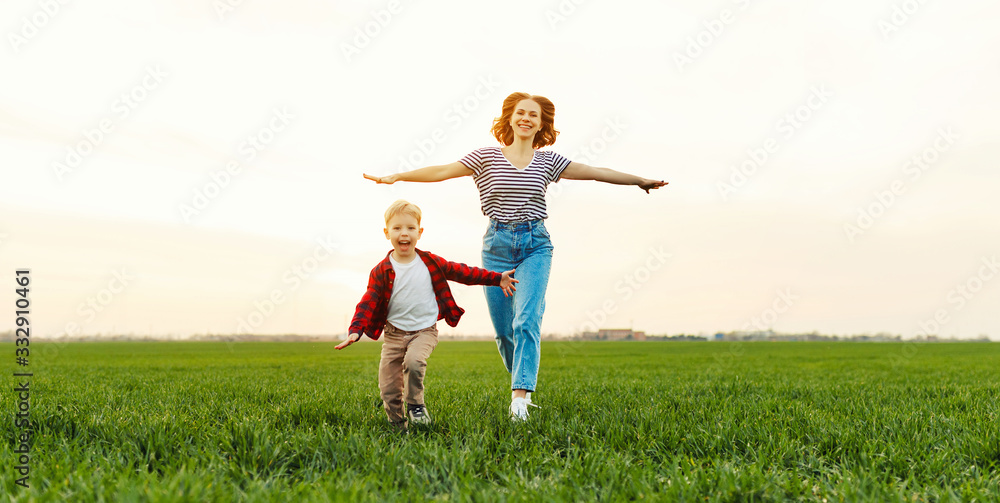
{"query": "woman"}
(512, 180)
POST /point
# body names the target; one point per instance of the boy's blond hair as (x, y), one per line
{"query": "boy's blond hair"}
(402, 207)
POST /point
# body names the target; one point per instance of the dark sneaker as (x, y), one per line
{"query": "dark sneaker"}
(418, 414)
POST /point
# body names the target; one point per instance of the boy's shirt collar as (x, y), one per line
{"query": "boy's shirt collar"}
(420, 253)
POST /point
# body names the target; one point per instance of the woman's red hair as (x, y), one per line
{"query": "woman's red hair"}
(546, 134)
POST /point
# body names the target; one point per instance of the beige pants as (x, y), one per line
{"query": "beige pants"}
(402, 367)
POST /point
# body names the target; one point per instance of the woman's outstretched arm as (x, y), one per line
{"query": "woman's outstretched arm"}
(428, 174)
(580, 171)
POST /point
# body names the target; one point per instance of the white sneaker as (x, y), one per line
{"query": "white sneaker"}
(418, 414)
(519, 408)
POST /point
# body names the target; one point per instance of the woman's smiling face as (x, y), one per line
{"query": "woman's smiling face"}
(526, 119)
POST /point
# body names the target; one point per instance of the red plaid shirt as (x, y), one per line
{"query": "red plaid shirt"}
(372, 311)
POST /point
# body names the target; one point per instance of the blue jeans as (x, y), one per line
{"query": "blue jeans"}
(524, 246)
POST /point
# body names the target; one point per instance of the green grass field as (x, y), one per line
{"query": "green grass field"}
(660, 421)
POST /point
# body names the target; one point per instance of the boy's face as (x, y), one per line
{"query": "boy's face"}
(403, 231)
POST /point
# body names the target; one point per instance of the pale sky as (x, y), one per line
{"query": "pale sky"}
(118, 121)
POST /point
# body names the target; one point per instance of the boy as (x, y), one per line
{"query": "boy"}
(407, 293)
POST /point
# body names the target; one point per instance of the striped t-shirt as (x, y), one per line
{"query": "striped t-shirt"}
(509, 194)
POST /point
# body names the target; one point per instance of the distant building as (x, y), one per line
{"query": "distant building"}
(615, 334)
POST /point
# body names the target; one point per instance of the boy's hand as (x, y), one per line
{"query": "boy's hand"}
(389, 180)
(507, 282)
(351, 339)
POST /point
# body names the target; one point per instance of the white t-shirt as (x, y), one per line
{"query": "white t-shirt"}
(413, 305)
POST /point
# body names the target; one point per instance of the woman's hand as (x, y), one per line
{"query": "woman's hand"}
(351, 339)
(507, 282)
(388, 180)
(647, 184)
